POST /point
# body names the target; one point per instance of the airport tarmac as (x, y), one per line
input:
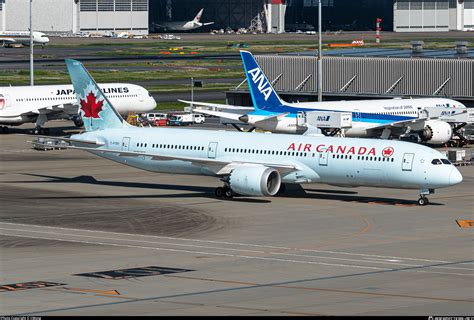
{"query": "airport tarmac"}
(80, 235)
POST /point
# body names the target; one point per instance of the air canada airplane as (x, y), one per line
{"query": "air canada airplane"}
(183, 25)
(424, 117)
(254, 164)
(25, 104)
(8, 38)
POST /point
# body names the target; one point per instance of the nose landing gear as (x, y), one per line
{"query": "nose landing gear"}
(423, 201)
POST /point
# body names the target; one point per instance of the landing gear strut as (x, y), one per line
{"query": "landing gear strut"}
(423, 201)
(225, 192)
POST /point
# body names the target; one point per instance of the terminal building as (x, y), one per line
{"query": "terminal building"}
(433, 15)
(74, 16)
(272, 16)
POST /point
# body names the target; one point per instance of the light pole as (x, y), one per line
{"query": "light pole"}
(32, 77)
(192, 92)
(320, 62)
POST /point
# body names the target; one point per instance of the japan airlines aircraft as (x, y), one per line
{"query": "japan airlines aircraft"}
(25, 104)
(254, 164)
(370, 118)
(8, 38)
(183, 25)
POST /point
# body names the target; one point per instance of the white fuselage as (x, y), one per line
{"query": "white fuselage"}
(180, 25)
(330, 160)
(366, 114)
(22, 37)
(23, 104)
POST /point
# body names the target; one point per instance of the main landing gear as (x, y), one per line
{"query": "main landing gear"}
(423, 201)
(224, 192)
(40, 131)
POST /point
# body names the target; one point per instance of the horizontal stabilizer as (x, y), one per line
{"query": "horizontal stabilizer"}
(91, 142)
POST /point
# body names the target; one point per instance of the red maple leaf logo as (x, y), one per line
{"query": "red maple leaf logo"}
(91, 107)
(387, 152)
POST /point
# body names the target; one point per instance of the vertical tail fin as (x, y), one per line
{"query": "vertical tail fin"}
(96, 111)
(264, 97)
(197, 18)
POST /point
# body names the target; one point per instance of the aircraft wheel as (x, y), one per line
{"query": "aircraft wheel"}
(423, 201)
(219, 192)
(4, 129)
(228, 193)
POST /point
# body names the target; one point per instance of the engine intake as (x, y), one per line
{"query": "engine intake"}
(436, 132)
(255, 181)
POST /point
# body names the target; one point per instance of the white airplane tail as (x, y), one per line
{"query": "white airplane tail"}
(96, 111)
(197, 18)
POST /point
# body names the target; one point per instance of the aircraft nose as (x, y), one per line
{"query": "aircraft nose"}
(455, 177)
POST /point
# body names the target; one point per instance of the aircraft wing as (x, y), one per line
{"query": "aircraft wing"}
(207, 23)
(219, 167)
(7, 40)
(35, 111)
(217, 105)
(220, 114)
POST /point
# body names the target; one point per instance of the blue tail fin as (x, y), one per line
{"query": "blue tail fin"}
(264, 97)
(96, 111)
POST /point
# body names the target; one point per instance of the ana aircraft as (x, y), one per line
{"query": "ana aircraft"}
(370, 118)
(25, 104)
(8, 38)
(183, 25)
(254, 164)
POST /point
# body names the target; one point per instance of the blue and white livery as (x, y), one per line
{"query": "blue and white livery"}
(425, 117)
(255, 164)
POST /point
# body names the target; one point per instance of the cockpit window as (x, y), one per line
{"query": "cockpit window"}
(436, 161)
(446, 161)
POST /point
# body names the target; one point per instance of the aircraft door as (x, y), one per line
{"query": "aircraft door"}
(323, 158)
(126, 144)
(407, 163)
(212, 150)
(300, 118)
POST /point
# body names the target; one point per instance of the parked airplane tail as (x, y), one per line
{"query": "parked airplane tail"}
(264, 97)
(197, 18)
(96, 111)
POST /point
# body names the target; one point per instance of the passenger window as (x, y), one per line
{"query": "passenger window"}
(436, 161)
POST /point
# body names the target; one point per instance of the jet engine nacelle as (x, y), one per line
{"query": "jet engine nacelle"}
(436, 132)
(255, 181)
